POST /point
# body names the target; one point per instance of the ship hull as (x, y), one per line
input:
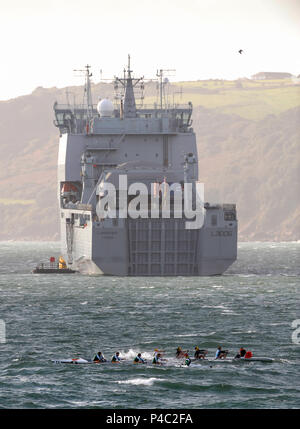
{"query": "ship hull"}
(148, 247)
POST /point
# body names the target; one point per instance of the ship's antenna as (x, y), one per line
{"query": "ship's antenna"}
(160, 74)
(68, 100)
(177, 92)
(67, 97)
(87, 96)
(142, 92)
(128, 70)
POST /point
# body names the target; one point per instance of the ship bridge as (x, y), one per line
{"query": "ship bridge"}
(127, 117)
(151, 120)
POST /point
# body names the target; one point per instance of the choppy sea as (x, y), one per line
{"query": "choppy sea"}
(256, 304)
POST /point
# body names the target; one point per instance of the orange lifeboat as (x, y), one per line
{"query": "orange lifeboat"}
(68, 187)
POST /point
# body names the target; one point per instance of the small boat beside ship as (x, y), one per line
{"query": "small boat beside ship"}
(53, 267)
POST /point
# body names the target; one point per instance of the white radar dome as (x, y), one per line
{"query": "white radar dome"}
(105, 108)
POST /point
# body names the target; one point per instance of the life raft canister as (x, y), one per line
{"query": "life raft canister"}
(62, 263)
(248, 355)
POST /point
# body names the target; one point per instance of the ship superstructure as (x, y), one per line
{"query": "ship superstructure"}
(150, 145)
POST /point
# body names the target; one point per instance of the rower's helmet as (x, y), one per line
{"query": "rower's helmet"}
(196, 348)
(156, 350)
(117, 353)
(178, 348)
(139, 354)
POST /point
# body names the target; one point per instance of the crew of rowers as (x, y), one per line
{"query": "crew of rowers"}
(220, 354)
(158, 359)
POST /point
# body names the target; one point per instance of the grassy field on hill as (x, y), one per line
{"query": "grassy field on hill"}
(249, 99)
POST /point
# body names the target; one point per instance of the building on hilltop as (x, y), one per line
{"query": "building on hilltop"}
(271, 75)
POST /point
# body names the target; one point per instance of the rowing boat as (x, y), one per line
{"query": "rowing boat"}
(234, 360)
(75, 361)
(81, 361)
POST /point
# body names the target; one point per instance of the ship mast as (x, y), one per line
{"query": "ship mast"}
(160, 74)
(87, 96)
(129, 99)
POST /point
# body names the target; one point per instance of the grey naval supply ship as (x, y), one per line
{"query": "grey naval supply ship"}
(150, 144)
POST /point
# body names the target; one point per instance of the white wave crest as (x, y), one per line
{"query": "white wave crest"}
(141, 381)
(131, 354)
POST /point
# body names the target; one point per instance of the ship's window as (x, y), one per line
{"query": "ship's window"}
(214, 220)
(86, 217)
(229, 216)
(76, 216)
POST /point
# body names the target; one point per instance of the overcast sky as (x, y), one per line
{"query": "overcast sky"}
(42, 41)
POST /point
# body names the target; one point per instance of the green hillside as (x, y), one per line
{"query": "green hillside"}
(246, 98)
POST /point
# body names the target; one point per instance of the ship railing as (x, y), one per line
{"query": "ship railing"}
(48, 266)
(77, 206)
(72, 107)
(139, 107)
(167, 108)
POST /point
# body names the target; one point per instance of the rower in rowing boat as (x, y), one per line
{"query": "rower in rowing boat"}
(221, 354)
(99, 358)
(157, 359)
(200, 353)
(180, 353)
(241, 353)
(156, 351)
(188, 360)
(139, 359)
(116, 358)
